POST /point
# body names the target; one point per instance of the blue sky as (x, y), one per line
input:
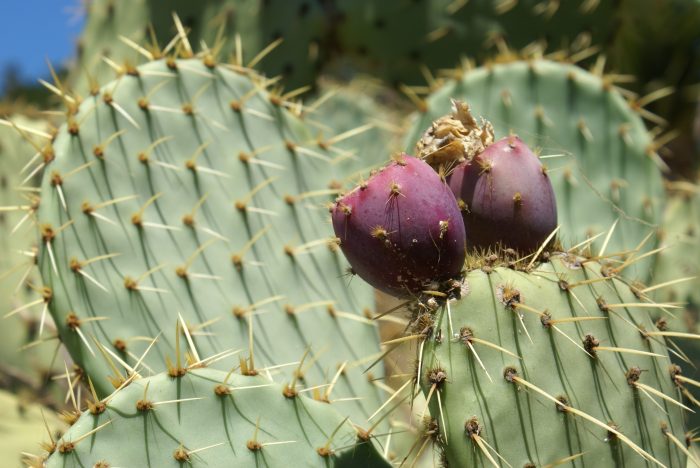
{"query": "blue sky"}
(33, 30)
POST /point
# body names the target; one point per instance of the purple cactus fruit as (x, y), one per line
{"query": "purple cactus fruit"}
(506, 197)
(402, 229)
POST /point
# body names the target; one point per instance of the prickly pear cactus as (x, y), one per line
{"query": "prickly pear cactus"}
(187, 193)
(302, 27)
(107, 21)
(680, 257)
(399, 40)
(114, 29)
(366, 114)
(208, 418)
(28, 345)
(557, 363)
(598, 155)
(677, 278)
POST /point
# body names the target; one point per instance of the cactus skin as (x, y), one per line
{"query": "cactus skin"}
(680, 238)
(106, 21)
(257, 22)
(303, 26)
(509, 198)
(680, 260)
(402, 228)
(497, 305)
(213, 200)
(235, 416)
(436, 35)
(605, 169)
(23, 370)
(365, 104)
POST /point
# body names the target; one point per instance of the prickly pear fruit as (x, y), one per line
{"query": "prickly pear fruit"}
(596, 144)
(505, 196)
(402, 228)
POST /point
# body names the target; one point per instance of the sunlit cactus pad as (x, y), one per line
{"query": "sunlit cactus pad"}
(185, 192)
(209, 418)
(28, 344)
(119, 35)
(557, 362)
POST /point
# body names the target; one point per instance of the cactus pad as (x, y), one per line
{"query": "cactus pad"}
(114, 27)
(186, 193)
(399, 40)
(556, 364)
(28, 348)
(209, 418)
(677, 277)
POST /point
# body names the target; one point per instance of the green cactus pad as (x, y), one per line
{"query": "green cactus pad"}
(189, 191)
(106, 21)
(680, 257)
(365, 111)
(209, 418)
(395, 39)
(28, 347)
(597, 151)
(303, 28)
(676, 276)
(215, 23)
(547, 366)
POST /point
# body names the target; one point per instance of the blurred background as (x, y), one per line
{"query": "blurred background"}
(37, 31)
